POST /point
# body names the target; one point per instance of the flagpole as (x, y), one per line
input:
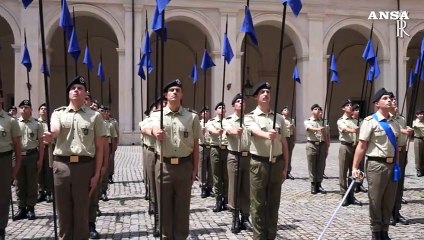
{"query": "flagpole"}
(195, 84)
(27, 72)
(146, 31)
(416, 90)
(109, 95)
(46, 91)
(328, 83)
(133, 64)
(397, 56)
(101, 80)
(162, 76)
(75, 29)
(88, 69)
(371, 86)
(406, 92)
(65, 58)
(293, 92)
(364, 81)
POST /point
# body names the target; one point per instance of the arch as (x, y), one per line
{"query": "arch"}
(199, 20)
(414, 31)
(13, 24)
(361, 26)
(91, 11)
(299, 41)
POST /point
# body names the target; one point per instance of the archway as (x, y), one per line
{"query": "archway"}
(7, 62)
(412, 53)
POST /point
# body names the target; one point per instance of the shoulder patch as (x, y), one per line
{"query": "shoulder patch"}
(157, 110)
(251, 113)
(228, 118)
(368, 118)
(191, 110)
(60, 108)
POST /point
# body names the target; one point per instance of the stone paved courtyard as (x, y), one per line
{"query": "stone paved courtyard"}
(301, 215)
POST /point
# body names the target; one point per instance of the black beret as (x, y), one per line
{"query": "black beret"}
(25, 102)
(205, 108)
(355, 106)
(316, 106)
(104, 107)
(219, 104)
(260, 86)
(42, 105)
(379, 94)
(345, 102)
(285, 107)
(175, 83)
(419, 111)
(77, 80)
(236, 97)
(12, 107)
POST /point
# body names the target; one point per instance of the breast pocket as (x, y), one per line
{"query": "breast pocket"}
(3, 132)
(86, 131)
(185, 133)
(380, 136)
(31, 134)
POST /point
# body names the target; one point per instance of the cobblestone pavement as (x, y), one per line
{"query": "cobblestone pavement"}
(301, 215)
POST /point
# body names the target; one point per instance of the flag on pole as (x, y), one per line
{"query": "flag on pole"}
(369, 53)
(26, 3)
(247, 26)
(295, 5)
(74, 49)
(45, 70)
(227, 51)
(156, 25)
(26, 59)
(162, 4)
(101, 72)
(147, 62)
(140, 71)
(422, 50)
(194, 74)
(87, 59)
(411, 78)
(374, 71)
(146, 50)
(206, 61)
(333, 69)
(65, 21)
(296, 75)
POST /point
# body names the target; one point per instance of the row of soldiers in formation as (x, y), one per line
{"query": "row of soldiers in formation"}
(253, 155)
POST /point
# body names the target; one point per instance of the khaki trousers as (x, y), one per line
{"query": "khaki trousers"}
(5, 190)
(45, 178)
(316, 155)
(346, 153)
(26, 188)
(205, 167)
(243, 195)
(399, 191)
(419, 154)
(150, 163)
(290, 144)
(220, 172)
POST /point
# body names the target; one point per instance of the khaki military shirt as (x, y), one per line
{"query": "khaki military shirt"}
(150, 141)
(215, 123)
(9, 129)
(115, 124)
(264, 121)
(343, 123)
(402, 123)
(204, 138)
(181, 128)
(315, 136)
(78, 131)
(31, 131)
(233, 121)
(289, 130)
(378, 143)
(44, 123)
(418, 127)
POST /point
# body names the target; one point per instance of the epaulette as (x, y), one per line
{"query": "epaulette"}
(251, 113)
(211, 120)
(368, 118)
(60, 108)
(191, 110)
(157, 110)
(228, 117)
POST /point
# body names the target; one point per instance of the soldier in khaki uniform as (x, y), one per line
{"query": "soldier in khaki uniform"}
(115, 141)
(13, 111)
(268, 170)
(219, 154)
(291, 140)
(381, 153)
(347, 135)
(45, 184)
(78, 157)
(318, 143)
(356, 118)
(402, 142)
(205, 165)
(418, 126)
(238, 164)
(32, 162)
(10, 142)
(179, 146)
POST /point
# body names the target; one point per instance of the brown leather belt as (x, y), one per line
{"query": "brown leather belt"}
(29, 151)
(149, 148)
(205, 145)
(241, 154)
(316, 142)
(421, 138)
(346, 143)
(176, 160)
(73, 159)
(223, 147)
(5, 153)
(381, 159)
(266, 159)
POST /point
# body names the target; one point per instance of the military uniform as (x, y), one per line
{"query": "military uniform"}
(218, 156)
(290, 140)
(418, 127)
(182, 130)
(205, 165)
(115, 124)
(9, 131)
(26, 189)
(45, 183)
(110, 134)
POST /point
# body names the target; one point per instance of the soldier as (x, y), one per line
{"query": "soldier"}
(45, 184)
(402, 153)
(219, 154)
(13, 111)
(377, 140)
(267, 171)
(78, 157)
(115, 141)
(10, 142)
(291, 140)
(317, 146)
(347, 133)
(205, 165)
(179, 146)
(238, 165)
(356, 118)
(32, 162)
(418, 126)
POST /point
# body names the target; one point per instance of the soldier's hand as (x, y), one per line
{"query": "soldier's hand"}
(193, 176)
(220, 131)
(357, 174)
(93, 184)
(47, 137)
(239, 131)
(159, 134)
(410, 131)
(271, 134)
(321, 129)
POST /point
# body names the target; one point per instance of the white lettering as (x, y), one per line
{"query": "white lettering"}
(394, 15)
(404, 15)
(384, 15)
(400, 28)
(372, 16)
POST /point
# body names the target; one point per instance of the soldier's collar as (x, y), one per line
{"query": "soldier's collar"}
(314, 119)
(2, 113)
(167, 110)
(346, 117)
(258, 111)
(21, 119)
(380, 116)
(83, 108)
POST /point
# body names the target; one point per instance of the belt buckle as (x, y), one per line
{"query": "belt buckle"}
(74, 159)
(389, 160)
(244, 154)
(316, 143)
(273, 159)
(223, 147)
(175, 161)
(208, 146)
(24, 153)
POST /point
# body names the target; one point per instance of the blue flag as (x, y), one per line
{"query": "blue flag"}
(422, 50)
(74, 48)
(296, 75)
(146, 46)
(411, 78)
(295, 5)
(369, 53)
(248, 27)
(87, 59)
(194, 74)
(227, 51)
(206, 61)
(374, 71)
(147, 62)
(417, 69)
(65, 21)
(26, 3)
(45, 70)
(333, 69)
(26, 59)
(162, 4)
(140, 71)
(101, 72)
(160, 30)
